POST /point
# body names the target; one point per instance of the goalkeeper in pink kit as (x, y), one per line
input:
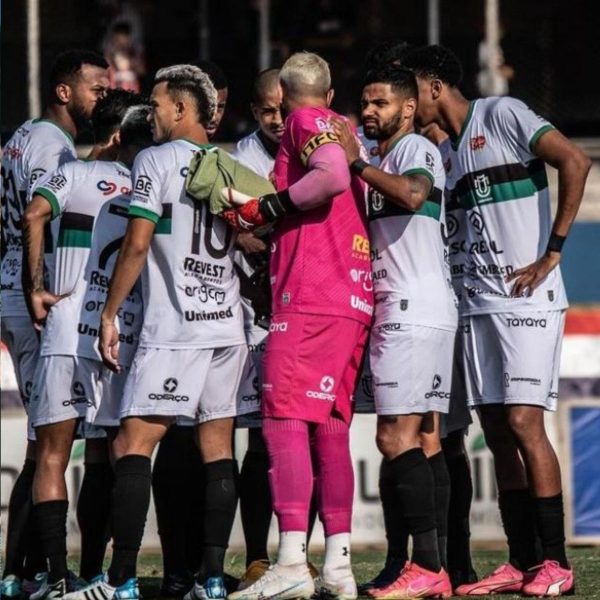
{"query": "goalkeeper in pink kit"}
(322, 308)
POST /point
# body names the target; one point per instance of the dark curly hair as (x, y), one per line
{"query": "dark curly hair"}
(435, 62)
(402, 80)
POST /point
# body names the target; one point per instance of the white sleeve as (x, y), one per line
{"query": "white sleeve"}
(45, 158)
(415, 157)
(520, 127)
(147, 180)
(57, 188)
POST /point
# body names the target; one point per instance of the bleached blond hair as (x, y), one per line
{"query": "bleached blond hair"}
(305, 74)
(194, 81)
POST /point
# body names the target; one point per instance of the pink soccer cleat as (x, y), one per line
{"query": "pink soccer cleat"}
(550, 580)
(415, 582)
(504, 580)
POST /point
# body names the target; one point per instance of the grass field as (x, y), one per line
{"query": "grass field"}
(368, 562)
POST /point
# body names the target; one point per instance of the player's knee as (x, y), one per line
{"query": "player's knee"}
(391, 444)
(498, 437)
(527, 424)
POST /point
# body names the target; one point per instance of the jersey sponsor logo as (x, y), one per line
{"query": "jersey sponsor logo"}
(106, 187)
(253, 397)
(254, 348)
(361, 305)
(184, 171)
(482, 247)
(213, 315)
(490, 270)
(387, 384)
(97, 278)
(78, 391)
(476, 221)
(200, 267)
(56, 183)
(429, 162)
(477, 142)
(326, 137)
(380, 274)
(363, 277)
(205, 293)
(390, 327)
(323, 124)
(526, 322)
(170, 385)
(278, 327)
(13, 152)
(85, 329)
(452, 225)
(361, 247)
(483, 190)
(143, 186)
(435, 391)
(35, 175)
(375, 254)
(326, 386)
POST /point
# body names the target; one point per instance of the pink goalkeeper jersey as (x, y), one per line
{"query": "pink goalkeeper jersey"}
(320, 258)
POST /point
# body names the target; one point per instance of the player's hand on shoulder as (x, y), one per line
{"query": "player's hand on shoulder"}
(528, 278)
(346, 138)
(109, 344)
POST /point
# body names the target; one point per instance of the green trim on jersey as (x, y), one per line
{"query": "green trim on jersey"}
(432, 207)
(396, 142)
(75, 230)
(420, 171)
(65, 132)
(455, 143)
(163, 226)
(537, 135)
(51, 199)
(202, 146)
(503, 191)
(143, 213)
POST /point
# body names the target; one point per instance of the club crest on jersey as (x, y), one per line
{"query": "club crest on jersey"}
(477, 142)
(377, 200)
(481, 183)
(107, 187)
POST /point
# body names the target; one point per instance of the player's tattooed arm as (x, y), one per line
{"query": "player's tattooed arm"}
(573, 167)
(38, 299)
(409, 191)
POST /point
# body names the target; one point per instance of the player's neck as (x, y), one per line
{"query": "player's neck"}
(102, 152)
(194, 133)
(385, 145)
(60, 116)
(454, 115)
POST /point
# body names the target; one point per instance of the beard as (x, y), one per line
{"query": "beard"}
(384, 131)
(80, 116)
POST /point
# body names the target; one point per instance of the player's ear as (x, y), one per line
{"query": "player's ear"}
(330, 95)
(180, 109)
(409, 108)
(436, 88)
(63, 92)
(115, 139)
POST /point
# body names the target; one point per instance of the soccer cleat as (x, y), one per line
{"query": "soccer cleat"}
(256, 569)
(390, 572)
(175, 585)
(212, 589)
(75, 582)
(550, 579)
(282, 583)
(415, 582)
(51, 591)
(10, 587)
(100, 589)
(459, 577)
(338, 586)
(504, 580)
(30, 586)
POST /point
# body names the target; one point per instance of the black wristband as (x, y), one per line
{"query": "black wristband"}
(275, 206)
(555, 243)
(358, 166)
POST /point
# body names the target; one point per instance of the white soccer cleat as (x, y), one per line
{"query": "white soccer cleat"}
(338, 585)
(100, 589)
(282, 583)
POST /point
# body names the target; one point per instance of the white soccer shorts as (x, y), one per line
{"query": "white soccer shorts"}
(513, 358)
(249, 393)
(193, 386)
(411, 367)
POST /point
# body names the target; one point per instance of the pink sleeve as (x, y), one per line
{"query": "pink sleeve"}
(327, 177)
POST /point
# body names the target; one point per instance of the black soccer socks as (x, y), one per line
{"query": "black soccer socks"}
(414, 488)
(51, 518)
(93, 511)
(441, 479)
(396, 530)
(131, 499)
(550, 520)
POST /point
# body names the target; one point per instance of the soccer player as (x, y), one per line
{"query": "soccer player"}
(65, 385)
(513, 304)
(192, 347)
(177, 475)
(77, 80)
(257, 151)
(412, 340)
(322, 306)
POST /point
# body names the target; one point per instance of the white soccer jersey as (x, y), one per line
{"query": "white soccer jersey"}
(109, 231)
(455, 220)
(37, 148)
(190, 291)
(503, 187)
(76, 192)
(410, 274)
(251, 152)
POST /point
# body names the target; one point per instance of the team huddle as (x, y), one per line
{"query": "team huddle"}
(161, 292)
